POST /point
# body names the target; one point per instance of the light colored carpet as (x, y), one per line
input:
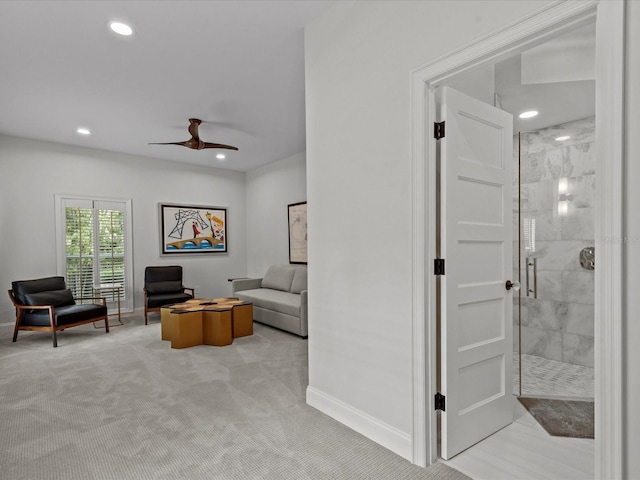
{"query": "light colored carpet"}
(124, 405)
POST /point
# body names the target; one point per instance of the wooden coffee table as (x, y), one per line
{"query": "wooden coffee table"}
(214, 322)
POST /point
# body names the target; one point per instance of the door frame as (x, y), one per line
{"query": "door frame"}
(520, 35)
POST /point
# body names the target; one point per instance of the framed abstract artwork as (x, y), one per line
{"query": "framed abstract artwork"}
(298, 233)
(193, 229)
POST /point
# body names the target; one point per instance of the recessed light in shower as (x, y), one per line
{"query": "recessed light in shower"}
(563, 138)
(528, 114)
(121, 28)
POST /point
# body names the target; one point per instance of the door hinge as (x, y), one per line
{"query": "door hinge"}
(438, 266)
(438, 130)
(440, 401)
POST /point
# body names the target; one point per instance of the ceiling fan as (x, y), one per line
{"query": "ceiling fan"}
(195, 142)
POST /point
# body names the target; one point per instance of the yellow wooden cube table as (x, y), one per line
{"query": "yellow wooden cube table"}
(241, 315)
(206, 322)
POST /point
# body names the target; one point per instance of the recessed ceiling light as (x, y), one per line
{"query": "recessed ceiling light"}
(528, 114)
(83, 131)
(121, 28)
(221, 156)
(562, 138)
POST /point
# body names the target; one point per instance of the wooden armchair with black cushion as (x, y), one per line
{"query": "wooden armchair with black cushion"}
(47, 305)
(163, 286)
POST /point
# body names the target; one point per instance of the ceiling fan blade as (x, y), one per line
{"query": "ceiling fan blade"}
(194, 142)
(218, 145)
(184, 144)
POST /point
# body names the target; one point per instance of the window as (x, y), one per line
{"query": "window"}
(94, 246)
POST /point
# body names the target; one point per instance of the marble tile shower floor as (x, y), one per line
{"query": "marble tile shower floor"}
(544, 377)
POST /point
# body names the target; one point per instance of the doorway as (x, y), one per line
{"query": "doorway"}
(514, 39)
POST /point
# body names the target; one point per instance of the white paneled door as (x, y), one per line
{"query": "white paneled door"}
(476, 242)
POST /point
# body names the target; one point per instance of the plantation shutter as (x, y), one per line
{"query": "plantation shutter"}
(111, 244)
(79, 247)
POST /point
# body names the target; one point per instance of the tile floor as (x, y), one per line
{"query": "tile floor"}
(543, 377)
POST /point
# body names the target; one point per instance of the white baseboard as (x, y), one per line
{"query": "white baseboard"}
(389, 437)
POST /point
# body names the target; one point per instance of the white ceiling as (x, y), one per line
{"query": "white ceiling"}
(556, 78)
(237, 65)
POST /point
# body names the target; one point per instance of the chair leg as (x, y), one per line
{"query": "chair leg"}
(106, 324)
(15, 329)
(146, 320)
(55, 338)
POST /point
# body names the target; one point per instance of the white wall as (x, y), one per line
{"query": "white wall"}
(269, 190)
(359, 59)
(479, 83)
(32, 172)
(631, 359)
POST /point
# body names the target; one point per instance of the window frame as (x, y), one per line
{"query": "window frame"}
(64, 200)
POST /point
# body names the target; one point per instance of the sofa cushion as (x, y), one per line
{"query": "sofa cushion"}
(22, 287)
(299, 282)
(276, 300)
(158, 288)
(64, 315)
(278, 278)
(57, 298)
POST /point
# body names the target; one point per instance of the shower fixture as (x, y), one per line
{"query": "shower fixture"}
(588, 258)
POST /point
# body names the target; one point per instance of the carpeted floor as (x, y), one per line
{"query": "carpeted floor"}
(562, 418)
(124, 405)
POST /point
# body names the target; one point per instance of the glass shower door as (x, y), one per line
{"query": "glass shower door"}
(554, 193)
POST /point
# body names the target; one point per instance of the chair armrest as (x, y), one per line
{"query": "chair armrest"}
(193, 291)
(22, 308)
(36, 307)
(245, 284)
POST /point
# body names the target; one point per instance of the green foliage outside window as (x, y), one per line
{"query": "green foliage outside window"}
(81, 249)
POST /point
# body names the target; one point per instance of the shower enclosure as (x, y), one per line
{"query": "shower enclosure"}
(554, 260)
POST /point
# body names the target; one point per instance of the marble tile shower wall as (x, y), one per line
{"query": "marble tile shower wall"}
(557, 196)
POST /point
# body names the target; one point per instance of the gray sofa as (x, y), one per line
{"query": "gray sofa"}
(279, 298)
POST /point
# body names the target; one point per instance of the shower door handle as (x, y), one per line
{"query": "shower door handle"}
(532, 262)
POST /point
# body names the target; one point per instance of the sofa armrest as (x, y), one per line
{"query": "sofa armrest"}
(245, 284)
(304, 313)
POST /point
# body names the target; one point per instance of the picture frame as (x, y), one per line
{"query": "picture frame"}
(193, 229)
(297, 219)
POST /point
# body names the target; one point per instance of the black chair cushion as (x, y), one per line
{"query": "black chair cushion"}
(157, 301)
(158, 288)
(23, 287)
(57, 298)
(64, 315)
(171, 273)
